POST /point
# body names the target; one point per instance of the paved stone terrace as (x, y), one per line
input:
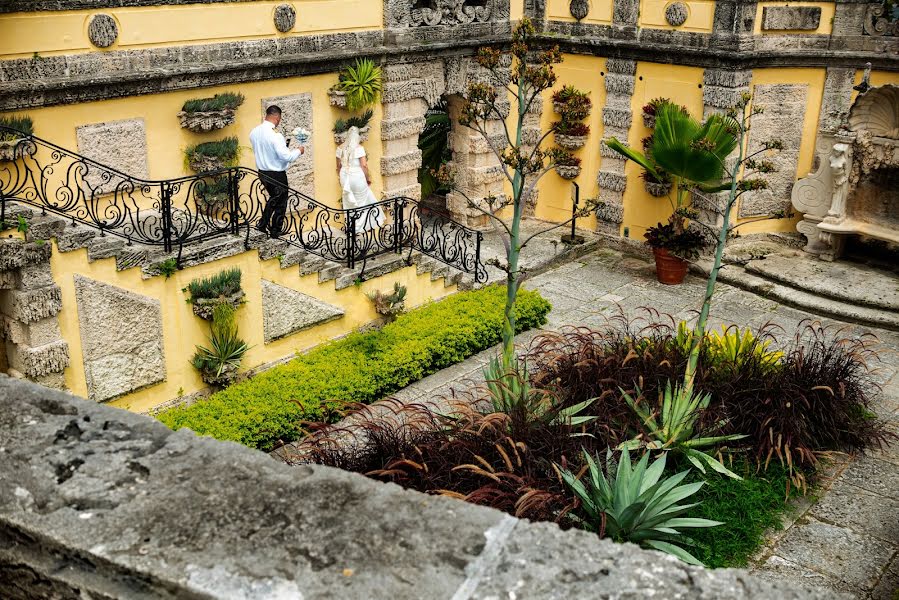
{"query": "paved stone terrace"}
(849, 539)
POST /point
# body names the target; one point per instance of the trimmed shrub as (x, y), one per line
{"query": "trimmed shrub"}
(361, 368)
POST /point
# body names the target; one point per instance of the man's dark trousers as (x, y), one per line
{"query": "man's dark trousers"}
(275, 183)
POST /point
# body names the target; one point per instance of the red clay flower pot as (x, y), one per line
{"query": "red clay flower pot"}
(670, 269)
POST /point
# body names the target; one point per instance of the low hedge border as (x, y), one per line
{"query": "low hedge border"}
(362, 367)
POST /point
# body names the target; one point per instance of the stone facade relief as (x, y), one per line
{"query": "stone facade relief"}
(782, 120)
(286, 311)
(445, 13)
(121, 339)
(297, 113)
(120, 144)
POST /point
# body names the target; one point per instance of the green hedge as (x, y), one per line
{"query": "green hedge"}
(363, 367)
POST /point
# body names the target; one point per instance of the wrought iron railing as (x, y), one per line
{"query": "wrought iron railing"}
(176, 213)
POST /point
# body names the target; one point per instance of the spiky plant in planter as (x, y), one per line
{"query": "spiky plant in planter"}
(209, 292)
(572, 104)
(219, 362)
(17, 128)
(213, 156)
(206, 114)
(359, 86)
(391, 304)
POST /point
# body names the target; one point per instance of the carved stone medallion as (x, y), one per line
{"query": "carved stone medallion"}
(102, 31)
(676, 14)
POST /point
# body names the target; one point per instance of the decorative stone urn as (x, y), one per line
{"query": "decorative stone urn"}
(570, 142)
(340, 138)
(201, 122)
(568, 171)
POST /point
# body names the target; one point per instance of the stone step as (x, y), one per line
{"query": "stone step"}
(104, 246)
(44, 227)
(827, 307)
(272, 248)
(292, 257)
(312, 264)
(75, 237)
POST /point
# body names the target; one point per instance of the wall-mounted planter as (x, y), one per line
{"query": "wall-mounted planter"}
(649, 120)
(568, 171)
(570, 142)
(200, 163)
(203, 307)
(226, 378)
(201, 122)
(658, 190)
(8, 150)
(337, 98)
(340, 138)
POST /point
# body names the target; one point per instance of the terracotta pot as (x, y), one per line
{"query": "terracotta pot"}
(670, 269)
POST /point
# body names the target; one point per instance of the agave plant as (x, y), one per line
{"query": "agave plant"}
(512, 392)
(676, 429)
(220, 361)
(634, 503)
(361, 83)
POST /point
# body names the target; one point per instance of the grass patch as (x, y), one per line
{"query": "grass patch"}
(749, 508)
(363, 367)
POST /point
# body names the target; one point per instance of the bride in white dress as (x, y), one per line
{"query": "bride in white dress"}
(352, 168)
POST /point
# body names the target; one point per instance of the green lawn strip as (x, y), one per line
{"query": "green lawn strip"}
(748, 508)
(362, 367)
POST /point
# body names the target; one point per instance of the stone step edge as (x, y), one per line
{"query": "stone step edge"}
(825, 307)
(828, 293)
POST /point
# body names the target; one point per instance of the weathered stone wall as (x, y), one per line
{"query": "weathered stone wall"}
(617, 118)
(102, 503)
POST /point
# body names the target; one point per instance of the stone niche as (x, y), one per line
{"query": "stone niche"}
(121, 339)
(297, 112)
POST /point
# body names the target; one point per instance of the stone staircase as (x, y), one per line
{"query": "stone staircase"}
(100, 246)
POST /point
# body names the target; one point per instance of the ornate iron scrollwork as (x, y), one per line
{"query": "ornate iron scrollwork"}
(451, 12)
(177, 213)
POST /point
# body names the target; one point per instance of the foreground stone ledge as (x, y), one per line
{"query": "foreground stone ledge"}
(103, 503)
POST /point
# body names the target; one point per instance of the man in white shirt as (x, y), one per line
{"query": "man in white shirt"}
(273, 156)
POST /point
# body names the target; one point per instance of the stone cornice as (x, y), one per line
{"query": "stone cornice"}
(28, 83)
(11, 6)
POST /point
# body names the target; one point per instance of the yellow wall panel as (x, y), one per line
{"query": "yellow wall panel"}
(700, 15)
(182, 330)
(166, 140)
(554, 202)
(21, 35)
(680, 85)
(516, 10)
(600, 11)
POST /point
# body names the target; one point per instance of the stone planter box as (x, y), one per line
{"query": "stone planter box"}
(8, 150)
(558, 107)
(649, 121)
(570, 142)
(203, 307)
(340, 138)
(568, 171)
(203, 164)
(657, 189)
(337, 98)
(201, 122)
(228, 375)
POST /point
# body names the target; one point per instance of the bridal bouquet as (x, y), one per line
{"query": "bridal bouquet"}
(301, 135)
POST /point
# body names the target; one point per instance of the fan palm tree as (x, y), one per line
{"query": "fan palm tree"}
(691, 153)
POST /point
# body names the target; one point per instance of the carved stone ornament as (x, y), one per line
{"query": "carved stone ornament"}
(879, 22)
(579, 8)
(102, 31)
(676, 14)
(285, 17)
(451, 12)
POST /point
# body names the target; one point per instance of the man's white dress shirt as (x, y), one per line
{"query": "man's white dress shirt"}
(272, 153)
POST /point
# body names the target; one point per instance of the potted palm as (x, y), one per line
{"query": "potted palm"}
(206, 114)
(358, 86)
(690, 153)
(673, 249)
(16, 129)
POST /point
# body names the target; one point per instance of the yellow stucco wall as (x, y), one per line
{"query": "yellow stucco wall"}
(182, 330)
(554, 202)
(166, 140)
(50, 33)
(825, 25)
(681, 85)
(516, 10)
(700, 15)
(600, 11)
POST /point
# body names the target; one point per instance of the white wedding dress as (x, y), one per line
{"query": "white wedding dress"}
(356, 191)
